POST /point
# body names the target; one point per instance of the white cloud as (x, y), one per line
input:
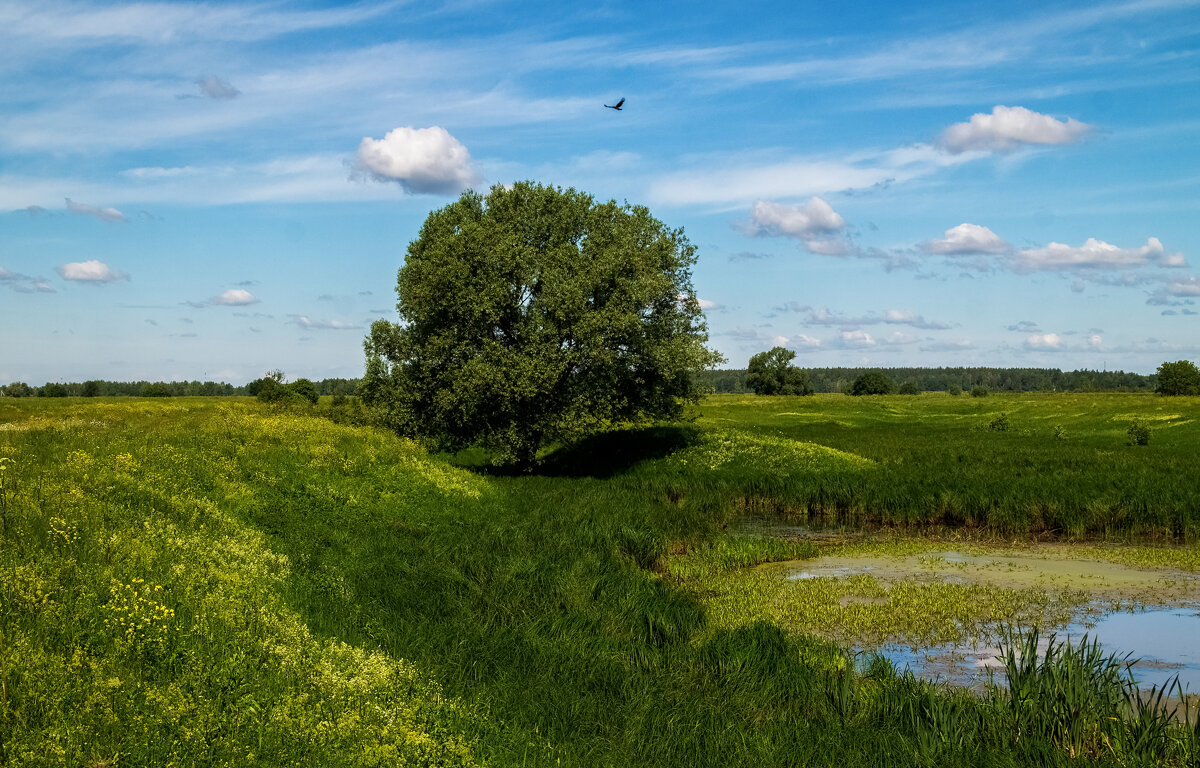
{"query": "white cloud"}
(1180, 290)
(706, 304)
(967, 239)
(779, 341)
(816, 217)
(1007, 129)
(900, 317)
(855, 340)
(948, 345)
(741, 184)
(823, 316)
(1043, 341)
(105, 214)
(899, 337)
(168, 24)
(1186, 287)
(815, 223)
(1095, 341)
(421, 160)
(235, 297)
(216, 88)
(92, 271)
(804, 342)
(324, 325)
(1094, 254)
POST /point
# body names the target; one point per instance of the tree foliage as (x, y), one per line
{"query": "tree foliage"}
(1178, 378)
(873, 383)
(772, 373)
(537, 314)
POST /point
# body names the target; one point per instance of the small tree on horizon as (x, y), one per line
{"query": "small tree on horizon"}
(872, 383)
(771, 373)
(536, 314)
(1178, 378)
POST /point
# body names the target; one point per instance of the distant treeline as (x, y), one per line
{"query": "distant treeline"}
(943, 379)
(100, 388)
(731, 381)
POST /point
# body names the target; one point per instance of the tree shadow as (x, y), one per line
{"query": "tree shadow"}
(613, 453)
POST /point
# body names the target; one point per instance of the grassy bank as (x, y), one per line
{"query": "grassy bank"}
(198, 582)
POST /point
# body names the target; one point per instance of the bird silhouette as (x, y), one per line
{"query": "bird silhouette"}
(616, 106)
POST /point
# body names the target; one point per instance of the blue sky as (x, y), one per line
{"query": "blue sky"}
(213, 190)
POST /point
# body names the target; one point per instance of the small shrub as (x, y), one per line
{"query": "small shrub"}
(999, 424)
(1059, 432)
(954, 390)
(908, 388)
(304, 389)
(1139, 433)
(979, 391)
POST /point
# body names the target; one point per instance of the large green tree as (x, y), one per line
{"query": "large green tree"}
(536, 314)
(1178, 378)
(772, 373)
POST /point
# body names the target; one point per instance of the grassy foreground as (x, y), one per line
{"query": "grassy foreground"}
(198, 582)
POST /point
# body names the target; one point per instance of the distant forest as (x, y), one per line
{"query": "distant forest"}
(944, 379)
(721, 381)
(99, 388)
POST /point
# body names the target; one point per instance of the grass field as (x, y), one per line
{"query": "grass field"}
(209, 582)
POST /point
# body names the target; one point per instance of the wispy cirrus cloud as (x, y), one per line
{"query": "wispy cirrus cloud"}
(822, 316)
(104, 214)
(20, 283)
(304, 321)
(215, 88)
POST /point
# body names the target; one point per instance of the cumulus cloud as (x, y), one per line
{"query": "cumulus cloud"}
(814, 218)
(216, 88)
(706, 304)
(421, 160)
(966, 239)
(1094, 254)
(1025, 326)
(815, 223)
(104, 214)
(1095, 341)
(234, 297)
(1007, 129)
(1176, 292)
(92, 271)
(324, 325)
(1043, 341)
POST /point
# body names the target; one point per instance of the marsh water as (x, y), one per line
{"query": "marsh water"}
(1150, 613)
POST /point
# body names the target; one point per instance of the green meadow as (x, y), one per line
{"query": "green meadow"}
(206, 582)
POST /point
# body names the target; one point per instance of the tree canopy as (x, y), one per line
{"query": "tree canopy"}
(872, 383)
(1178, 378)
(536, 314)
(772, 373)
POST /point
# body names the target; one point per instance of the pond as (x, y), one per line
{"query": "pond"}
(1150, 612)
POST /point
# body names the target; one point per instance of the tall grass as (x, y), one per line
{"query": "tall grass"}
(282, 590)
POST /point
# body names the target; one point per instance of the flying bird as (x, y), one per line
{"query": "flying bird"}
(616, 106)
